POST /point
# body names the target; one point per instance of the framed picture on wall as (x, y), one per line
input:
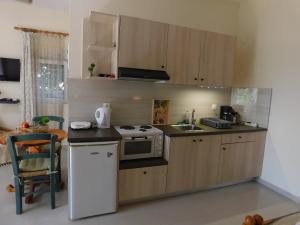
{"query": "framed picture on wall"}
(160, 112)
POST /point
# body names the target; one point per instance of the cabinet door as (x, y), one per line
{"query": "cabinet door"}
(181, 164)
(217, 59)
(183, 55)
(240, 161)
(142, 182)
(142, 44)
(193, 163)
(206, 158)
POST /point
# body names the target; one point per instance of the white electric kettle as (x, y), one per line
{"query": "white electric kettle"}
(102, 116)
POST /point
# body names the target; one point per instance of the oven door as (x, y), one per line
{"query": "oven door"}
(137, 147)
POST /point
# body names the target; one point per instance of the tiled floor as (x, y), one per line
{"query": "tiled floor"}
(226, 206)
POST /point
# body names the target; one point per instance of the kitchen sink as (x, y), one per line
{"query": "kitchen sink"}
(188, 128)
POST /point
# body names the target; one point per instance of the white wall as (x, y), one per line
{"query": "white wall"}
(269, 56)
(12, 14)
(213, 15)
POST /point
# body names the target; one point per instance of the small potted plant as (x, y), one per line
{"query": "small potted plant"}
(91, 69)
(43, 122)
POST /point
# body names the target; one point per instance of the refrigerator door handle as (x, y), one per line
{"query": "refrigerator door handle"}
(94, 153)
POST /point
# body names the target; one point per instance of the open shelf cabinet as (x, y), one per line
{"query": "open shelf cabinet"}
(100, 45)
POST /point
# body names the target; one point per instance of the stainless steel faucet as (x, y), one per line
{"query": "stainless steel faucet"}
(193, 117)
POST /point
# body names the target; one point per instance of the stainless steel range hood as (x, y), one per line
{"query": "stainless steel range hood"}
(142, 74)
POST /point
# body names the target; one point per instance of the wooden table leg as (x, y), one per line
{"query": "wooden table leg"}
(30, 198)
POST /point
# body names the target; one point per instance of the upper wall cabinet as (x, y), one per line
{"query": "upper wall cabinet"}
(100, 45)
(183, 55)
(142, 44)
(197, 57)
(190, 56)
(217, 57)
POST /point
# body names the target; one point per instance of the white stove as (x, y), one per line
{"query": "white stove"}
(140, 141)
(137, 130)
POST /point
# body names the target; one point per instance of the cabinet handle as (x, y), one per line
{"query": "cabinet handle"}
(224, 149)
(195, 78)
(202, 79)
(200, 140)
(162, 66)
(240, 137)
(194, 140)
(145, 172)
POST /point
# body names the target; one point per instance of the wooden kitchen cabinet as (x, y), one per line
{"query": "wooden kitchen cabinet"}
(217, 57)
(242, 160)
(238, 162)
(183, 55)
(180, 156)
(100, 45)
(142, 182)
(193, 162)
(142, 44)
(196, 57)
(238, 137)
(207, 161)
(200, 162)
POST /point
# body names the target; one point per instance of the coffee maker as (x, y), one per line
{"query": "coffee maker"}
(229, 114)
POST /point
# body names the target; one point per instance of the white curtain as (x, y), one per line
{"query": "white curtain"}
(28, 78)
(43, 74)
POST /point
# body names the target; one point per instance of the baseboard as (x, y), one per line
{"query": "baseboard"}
(279, 190)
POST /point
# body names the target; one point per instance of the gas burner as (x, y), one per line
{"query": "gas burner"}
(143, 130)
(127, 127)
(145, 127)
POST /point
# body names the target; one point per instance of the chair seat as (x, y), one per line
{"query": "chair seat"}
(35, 165)
(46, 148)
(34, 173)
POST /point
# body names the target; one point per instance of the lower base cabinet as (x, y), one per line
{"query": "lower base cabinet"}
(203, 162)
(242, 161)
(196, 162)
(193, 162)
(142, 182)
(238, 162)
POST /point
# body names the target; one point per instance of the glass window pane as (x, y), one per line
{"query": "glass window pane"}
(50, 82)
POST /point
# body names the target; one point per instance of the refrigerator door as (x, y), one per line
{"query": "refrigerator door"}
(92, 179)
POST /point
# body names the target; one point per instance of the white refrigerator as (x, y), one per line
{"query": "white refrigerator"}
(92, 179)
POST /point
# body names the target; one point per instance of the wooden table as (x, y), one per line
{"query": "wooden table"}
(60, 135)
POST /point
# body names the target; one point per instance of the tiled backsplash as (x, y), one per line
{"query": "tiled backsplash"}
(131, 101)
(253, 104)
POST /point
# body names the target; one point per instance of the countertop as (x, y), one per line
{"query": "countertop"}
(93, 135)
(173, 132)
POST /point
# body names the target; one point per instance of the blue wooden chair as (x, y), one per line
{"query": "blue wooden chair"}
(60, 120)
(45, 172)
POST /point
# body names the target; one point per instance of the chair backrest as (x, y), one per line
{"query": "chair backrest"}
(16, 158)
(58, 119)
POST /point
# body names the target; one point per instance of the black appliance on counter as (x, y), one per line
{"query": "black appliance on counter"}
(229, 114)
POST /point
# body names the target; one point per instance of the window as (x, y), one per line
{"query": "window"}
(51, 81)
